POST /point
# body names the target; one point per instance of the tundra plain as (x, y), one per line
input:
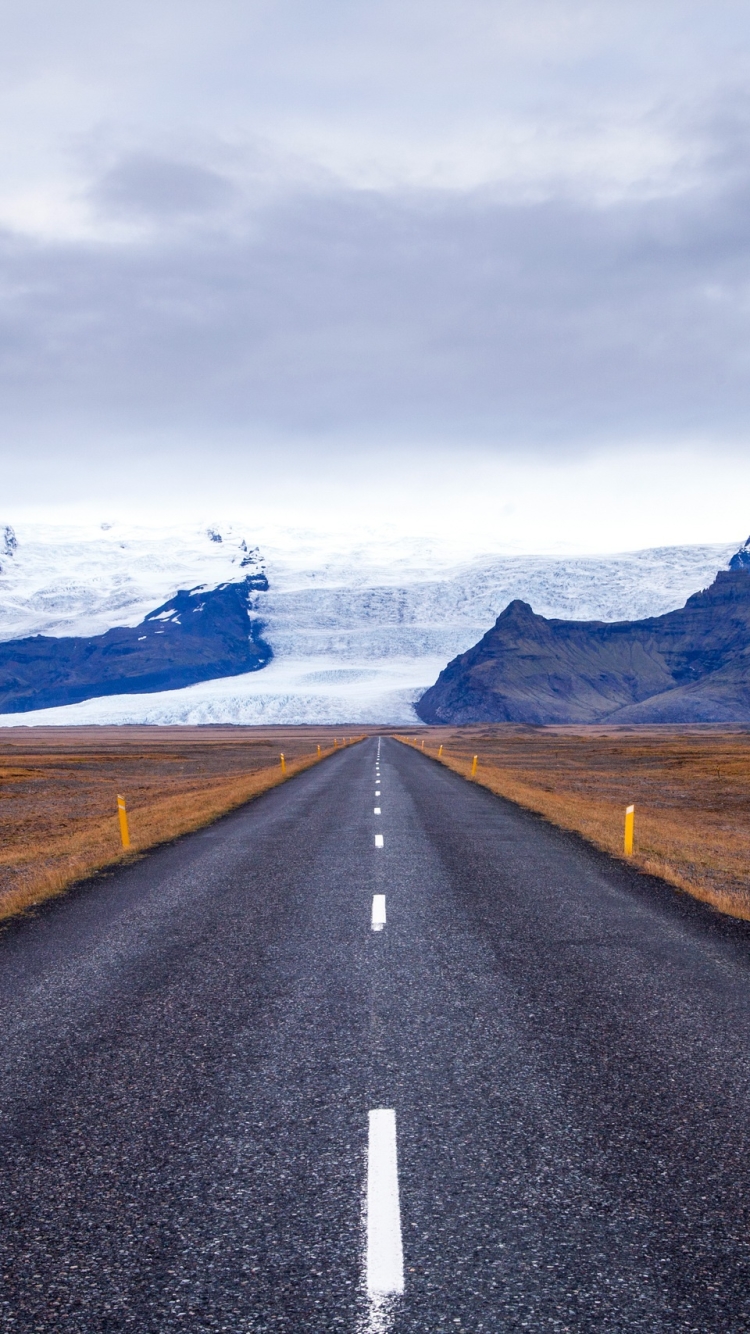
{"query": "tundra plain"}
(59, 788)
(690, 787)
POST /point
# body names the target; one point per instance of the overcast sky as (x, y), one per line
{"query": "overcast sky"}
(482, 263)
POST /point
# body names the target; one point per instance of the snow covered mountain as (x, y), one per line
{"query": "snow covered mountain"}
(357, 630)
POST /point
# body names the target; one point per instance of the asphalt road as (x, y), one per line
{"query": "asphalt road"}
(190, 1048)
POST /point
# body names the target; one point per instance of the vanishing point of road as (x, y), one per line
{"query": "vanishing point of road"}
(406, 1062)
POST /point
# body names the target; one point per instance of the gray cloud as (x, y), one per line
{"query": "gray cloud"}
(156, 187)
(424, 314)
(522, 225)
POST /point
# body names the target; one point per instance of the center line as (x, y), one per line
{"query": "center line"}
(378, 912)
(378, 840)
(376, 810)
(385, 1259)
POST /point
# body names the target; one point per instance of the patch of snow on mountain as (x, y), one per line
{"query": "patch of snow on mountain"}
(83, 581)
(283, 692)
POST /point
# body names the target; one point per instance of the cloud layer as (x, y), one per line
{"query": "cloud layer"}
(517, 225)
(421, 313)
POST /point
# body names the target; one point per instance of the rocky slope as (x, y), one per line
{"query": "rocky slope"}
(690, 665)
(196, 636)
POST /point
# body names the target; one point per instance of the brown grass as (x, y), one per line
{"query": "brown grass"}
(58, 790)
(690, 786)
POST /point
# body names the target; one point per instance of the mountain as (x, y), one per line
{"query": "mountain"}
(359, 624)
(690, 665)
(741, 559)
(197, 635)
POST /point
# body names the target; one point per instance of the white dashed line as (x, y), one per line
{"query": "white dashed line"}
(378, 912)
(385, 1259)
(376, 810)
(378, 840)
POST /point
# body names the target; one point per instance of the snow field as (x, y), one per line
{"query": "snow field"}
(358, 631)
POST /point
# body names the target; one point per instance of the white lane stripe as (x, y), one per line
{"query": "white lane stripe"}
(385, 1258)
(378, 840)
(378, 912)
(376, 810)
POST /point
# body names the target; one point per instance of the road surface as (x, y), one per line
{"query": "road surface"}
(266, 1078)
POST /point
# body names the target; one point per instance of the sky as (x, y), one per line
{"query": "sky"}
(471, 267)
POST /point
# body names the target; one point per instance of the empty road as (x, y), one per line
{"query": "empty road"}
(377, 1053)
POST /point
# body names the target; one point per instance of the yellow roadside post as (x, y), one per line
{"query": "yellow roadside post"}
(629, 822)
(319, 752)
(123, 816)
(440, 752)
(474, 767)
(422, 743)
(283, 765)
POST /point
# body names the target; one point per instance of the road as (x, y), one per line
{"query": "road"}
(557, 1047)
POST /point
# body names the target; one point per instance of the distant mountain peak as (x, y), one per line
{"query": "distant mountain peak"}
(688, 665)
(518, 609)
(741, 558)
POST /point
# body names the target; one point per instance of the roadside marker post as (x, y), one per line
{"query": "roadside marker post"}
(440, 753)
(283, 764)
(629, 822)
(319, 751)
(123, 817)
(474, 767)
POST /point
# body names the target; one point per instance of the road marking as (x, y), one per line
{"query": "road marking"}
(378, 912)
(376, 810)
(377, 791)
(385, 1258)
(378, 840)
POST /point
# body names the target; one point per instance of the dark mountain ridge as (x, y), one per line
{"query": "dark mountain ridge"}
(200, 634)
(690, 665)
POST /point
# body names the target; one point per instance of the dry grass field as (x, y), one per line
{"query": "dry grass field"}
(690, 787)
(59, 787)
(58, 791)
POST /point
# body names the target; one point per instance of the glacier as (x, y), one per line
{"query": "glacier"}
(358, 627)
